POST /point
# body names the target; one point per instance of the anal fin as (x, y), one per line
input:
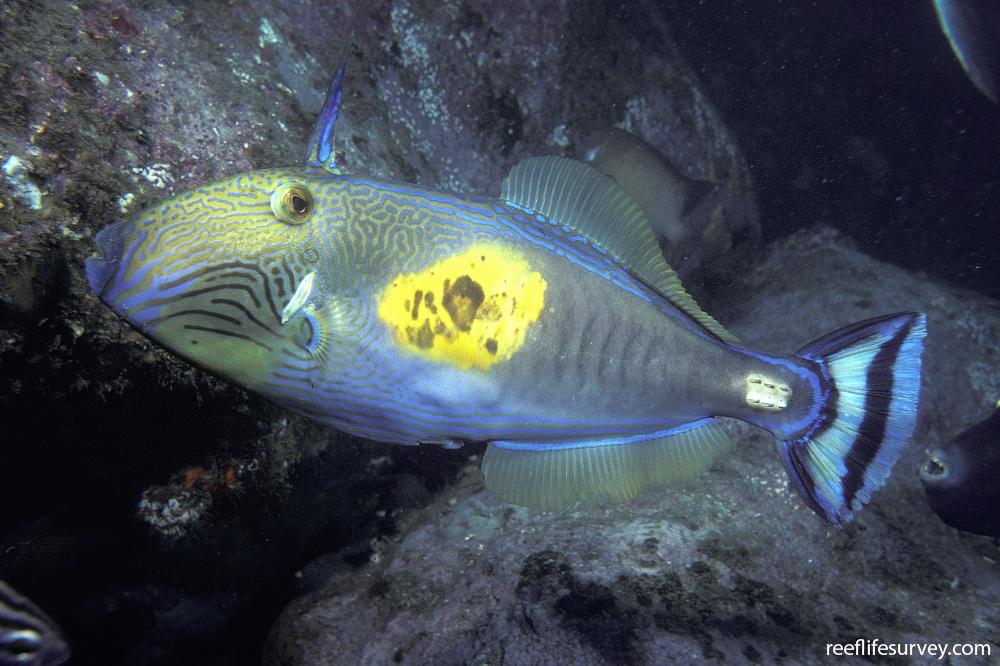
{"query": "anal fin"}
(551, 477)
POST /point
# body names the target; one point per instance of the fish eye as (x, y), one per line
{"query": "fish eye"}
(935, 467)
(298, 203)
(291, 203)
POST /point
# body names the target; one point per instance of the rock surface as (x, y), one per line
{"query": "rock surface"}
(730, 567)
(109, 107)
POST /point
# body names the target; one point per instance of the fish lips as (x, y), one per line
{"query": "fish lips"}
(103, 266)
(942, 470)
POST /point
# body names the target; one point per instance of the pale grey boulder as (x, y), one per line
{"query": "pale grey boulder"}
(730, 567)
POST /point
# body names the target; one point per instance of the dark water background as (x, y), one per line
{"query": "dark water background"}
(857, 115)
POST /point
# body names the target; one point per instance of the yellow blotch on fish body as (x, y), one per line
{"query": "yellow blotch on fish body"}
(471, 310)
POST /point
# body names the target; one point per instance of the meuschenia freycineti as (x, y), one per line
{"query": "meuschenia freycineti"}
(545, 322)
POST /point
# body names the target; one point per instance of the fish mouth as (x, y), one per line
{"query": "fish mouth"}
(934, 468)
(941, 470)
(101, 267)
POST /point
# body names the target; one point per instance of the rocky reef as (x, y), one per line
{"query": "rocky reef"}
(730, 567)
(176, 489)
(175, 514)
(109, 108)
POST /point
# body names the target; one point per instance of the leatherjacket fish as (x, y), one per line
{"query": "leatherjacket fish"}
(545, 322)
(28, 636)
(961, 478)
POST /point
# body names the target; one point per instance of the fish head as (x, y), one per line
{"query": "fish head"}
(960, 478)
(212, 274)
(943, 468)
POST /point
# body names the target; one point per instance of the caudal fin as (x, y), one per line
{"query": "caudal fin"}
(868, 413)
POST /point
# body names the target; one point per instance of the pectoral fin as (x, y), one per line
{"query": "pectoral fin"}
(324, 331)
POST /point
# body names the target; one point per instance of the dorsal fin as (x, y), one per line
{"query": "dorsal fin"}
(583, 198)
(319, 150)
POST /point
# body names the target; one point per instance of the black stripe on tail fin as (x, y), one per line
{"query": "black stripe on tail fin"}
(872, 371)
